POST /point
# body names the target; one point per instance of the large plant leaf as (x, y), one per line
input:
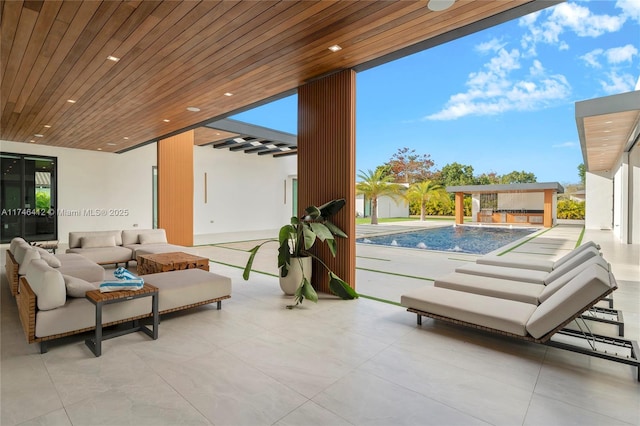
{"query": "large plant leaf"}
(308, 291)
(312, 212)
(247, 268)
(334, 229)
(309, 236)
(333, 247)
(321, 231)
(340, 288)
(332, 207)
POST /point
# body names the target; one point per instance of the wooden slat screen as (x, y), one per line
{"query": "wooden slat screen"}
(547, 220)
(326, 164)
(175, 188)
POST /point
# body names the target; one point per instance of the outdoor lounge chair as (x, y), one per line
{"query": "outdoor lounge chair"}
(529, 275)
(531, 293)
(527, 262)
(525, 321)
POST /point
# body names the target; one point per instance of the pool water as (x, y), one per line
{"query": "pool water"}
(461, 239)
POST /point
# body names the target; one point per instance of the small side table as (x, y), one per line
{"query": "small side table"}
(100, 299)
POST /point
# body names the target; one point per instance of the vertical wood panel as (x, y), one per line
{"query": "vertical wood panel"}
(175, 188)
(547, 220)
(326, 164)
(459, 208)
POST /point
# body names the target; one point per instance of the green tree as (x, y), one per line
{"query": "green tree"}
(408, 167)
(374, 185)
(426, 192)
(491, 178)
(582, 173)
(456, 174)
(518, 177)
(43, 200)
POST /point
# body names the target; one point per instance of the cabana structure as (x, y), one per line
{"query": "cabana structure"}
(519, 203)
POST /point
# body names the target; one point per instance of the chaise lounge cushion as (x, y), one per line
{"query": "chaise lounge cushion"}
(47, 284)
(575, 296)
(493, 287)
(500, 314)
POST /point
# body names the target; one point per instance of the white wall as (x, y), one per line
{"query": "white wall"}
(599, 201)
(521, 201)
(93, 180)
(620, 200)
(634, 195)
(387, 207)
(245, 192)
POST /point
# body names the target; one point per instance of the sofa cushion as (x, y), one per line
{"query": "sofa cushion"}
(153, 238)
(75, 237)
(47, 284)
(186, 287)
(79, 313)
(77, 287)
(140, 249)
(132, 236)
(29, 254)
(82, 268)
(98, 241)
(104, 255)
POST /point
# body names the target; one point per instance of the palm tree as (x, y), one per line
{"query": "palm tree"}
(375, 184)
(424, 192)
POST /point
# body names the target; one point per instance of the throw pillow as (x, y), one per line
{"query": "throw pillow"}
(77, 287)
(98, 241)
(51, 260)
(48, 285)
(30, 254)
(153, 238)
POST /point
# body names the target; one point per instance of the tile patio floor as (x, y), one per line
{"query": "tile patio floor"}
(358, 362)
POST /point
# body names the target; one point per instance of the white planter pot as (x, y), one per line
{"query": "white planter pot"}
(292, 281)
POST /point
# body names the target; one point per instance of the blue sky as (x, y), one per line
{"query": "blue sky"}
(498, 100)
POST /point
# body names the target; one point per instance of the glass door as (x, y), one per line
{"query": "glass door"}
(28, 198)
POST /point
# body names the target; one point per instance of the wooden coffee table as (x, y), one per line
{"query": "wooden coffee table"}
(174, 261)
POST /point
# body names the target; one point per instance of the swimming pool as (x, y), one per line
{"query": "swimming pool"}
(461, 239)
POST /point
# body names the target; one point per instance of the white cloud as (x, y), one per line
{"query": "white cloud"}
(492, 45)
(591, 58)
(565, 145)
(618, 83)
(491, 90)
(569, 17)
(630, 8)
(617, 55)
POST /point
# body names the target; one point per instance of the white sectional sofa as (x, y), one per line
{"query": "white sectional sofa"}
(51, 305)
(21, 254)
(107, 247)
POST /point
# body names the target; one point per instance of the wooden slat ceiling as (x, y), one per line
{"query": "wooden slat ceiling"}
(176, 54)
(606, 137)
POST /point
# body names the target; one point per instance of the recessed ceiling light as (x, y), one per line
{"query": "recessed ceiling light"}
(228, 94)
(217, 134)
(38, 135)
(71, 101)
(32, 140)
(335, 48)
(125, 138)
(607, 131)
(99, 149)
(47, 126)
(113, 58)
(193, 109)
(166, 120)
(608, 122)
(440, 5)
(111, 144)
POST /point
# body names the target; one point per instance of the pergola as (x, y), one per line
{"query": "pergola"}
(518, 203)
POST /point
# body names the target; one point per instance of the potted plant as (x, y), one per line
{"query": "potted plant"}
(295, 239)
